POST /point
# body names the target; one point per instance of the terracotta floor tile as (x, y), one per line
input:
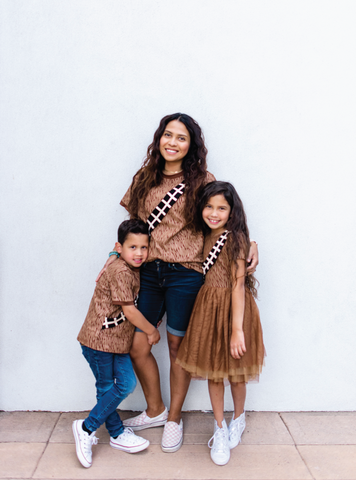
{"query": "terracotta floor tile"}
(27, 426)
(19, 460)
(308, 428)
(248, 462)
(265, 428)
(330, 462)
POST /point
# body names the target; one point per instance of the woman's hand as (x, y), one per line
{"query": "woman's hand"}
(154, 337)
(237, 344)
(252, 258)
(108, 261)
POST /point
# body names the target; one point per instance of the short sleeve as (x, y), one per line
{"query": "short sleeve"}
(121, 287)
(126, 198)
(209, 178)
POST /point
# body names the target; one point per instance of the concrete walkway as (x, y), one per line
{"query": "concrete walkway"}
(286, 446)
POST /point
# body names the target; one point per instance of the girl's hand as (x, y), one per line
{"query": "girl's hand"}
(154, 337)
(253, 258)
(237, 344)
(108, 261)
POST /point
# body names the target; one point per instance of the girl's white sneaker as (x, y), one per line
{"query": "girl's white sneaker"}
(219, 444)
(236, 429)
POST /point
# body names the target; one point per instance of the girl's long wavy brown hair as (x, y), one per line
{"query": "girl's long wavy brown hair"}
(238, 243)
(194, 167)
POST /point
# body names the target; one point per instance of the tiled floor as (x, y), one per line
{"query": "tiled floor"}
(285, 446)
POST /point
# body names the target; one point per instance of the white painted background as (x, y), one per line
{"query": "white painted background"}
(83, 86)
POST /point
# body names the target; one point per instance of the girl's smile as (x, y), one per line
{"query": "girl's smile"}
(174, 145)
(216, 213)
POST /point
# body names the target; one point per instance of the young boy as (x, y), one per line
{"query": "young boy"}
(106, 338)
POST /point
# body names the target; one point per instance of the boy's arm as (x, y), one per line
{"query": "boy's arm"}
(136, 318)
(237, 342)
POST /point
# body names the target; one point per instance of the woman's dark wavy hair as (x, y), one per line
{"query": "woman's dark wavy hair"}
(194, 167)
(238, 243)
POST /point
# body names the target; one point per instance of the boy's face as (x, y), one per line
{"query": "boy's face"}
(134, 249)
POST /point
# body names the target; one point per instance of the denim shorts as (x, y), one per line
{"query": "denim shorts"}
(168, 288)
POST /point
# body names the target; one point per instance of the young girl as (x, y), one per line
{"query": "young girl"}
(224, 337)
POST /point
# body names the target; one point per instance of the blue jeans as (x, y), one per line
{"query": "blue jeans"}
(168, 288)
(115, 380)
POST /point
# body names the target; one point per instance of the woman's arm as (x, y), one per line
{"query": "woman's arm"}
(111, 259)
(252, 257)
(237, 342)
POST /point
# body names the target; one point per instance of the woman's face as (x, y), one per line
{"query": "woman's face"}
(174, 143)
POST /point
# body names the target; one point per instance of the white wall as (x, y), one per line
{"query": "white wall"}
(83, 86)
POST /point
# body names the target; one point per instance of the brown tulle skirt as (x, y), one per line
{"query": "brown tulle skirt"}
(205, 349)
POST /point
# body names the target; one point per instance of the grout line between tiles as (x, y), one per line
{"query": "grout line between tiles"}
(284, 423)
(296, 446)
(305, 463)
(46, 445)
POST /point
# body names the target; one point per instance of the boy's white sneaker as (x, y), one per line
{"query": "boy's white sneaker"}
(83, 443)
(219, 444)
(236, 429)
(129, 442)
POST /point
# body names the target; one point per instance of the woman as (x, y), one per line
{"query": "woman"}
(172, 276)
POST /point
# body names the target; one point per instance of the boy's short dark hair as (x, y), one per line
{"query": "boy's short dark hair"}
(131, 226)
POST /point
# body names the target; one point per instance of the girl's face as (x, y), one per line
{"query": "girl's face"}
(174, 144)
(216, 213)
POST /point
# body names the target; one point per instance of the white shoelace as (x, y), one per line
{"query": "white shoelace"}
(128, 434)
(89, 440)
(219, 441)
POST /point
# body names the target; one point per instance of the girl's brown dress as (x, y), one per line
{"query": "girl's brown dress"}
(205, 349)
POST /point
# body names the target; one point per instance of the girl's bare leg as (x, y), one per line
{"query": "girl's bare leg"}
(238, 391)
(216, 392)
(146, 369)
(179, 380)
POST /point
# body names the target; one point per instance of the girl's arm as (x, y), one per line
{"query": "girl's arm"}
(237, 342)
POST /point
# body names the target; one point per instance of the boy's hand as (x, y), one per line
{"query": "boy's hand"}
(108, 261)
(237, 344)
(154, 337)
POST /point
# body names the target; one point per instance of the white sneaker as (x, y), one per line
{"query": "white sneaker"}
(219, 444)
(172, 437)
(142, 421)
(83, 443)
(129, 442)
(236, 429)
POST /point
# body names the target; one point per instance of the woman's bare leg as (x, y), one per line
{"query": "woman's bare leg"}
(238, 391)
(216, 392)
(179, 380)
(146, 369)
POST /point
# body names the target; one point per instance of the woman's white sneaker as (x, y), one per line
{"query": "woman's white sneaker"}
(236, 429)
(219, 444)
(83, 443)
(129, 442)
(142, 421)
